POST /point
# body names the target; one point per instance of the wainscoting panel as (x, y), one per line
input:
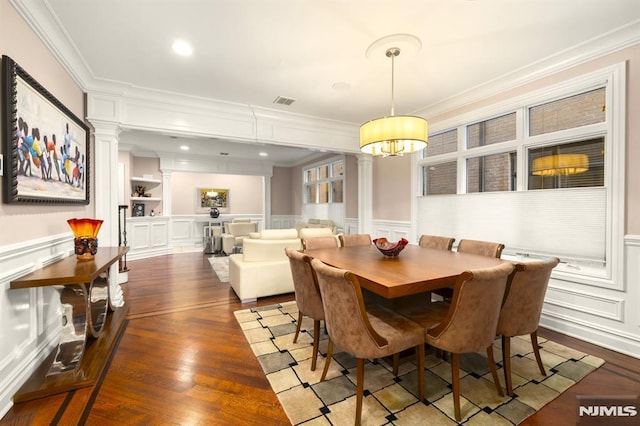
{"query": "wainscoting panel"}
(584, 302)
(30, 318)
(284, 221)
(606, 317)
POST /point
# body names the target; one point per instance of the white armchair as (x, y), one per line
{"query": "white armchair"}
(237, 232)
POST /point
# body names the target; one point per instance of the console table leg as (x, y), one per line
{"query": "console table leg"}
(98, 304)
(73, 299)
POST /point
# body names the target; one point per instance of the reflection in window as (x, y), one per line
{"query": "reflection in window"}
(492, 173)
(495, 130)
(571, 165)
(439, 179)
(567, 113)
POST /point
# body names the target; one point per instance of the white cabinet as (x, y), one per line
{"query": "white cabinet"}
(148, 236)
(145, 195)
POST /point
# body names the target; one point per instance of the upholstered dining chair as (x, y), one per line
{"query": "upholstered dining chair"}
(436, 242)
(482, 248)
(307, 293)
(374, 332)
(466, 325)
(320, 242)
(521, 309)
(355, 240)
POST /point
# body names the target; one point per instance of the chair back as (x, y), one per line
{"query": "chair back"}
(320, 242)
(305, 284)
(345, 315)
(436, 242)
(482, 248)
(524, 297)
(469, 325)
(241, 229)
(315, 232)
(355, 240)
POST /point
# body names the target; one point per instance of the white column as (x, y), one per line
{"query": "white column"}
(267, 202)
(105, 176)
(166, 192)
(365, 194)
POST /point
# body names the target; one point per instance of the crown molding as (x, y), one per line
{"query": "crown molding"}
(613, 41)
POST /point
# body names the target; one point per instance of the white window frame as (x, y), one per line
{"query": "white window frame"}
(329, 180)
(613, 78)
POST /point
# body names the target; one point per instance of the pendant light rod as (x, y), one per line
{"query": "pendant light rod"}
(392, 53)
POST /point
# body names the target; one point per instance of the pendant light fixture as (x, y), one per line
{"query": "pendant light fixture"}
(395, 134)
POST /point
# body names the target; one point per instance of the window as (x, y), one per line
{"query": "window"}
(542, 173)
(571, 165)
(441, 143)
(492, 131)
(567, 113)
(492, 173)
(438, 179)
(323, 183)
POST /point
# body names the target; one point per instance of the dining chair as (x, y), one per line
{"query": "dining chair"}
(320, 242)
(372, 332)
(349, 240)
(436, 242)
(482, 248)
(466, 325)
(521, 309)
(307, 294)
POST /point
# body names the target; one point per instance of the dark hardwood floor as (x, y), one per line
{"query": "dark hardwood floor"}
(183, 360)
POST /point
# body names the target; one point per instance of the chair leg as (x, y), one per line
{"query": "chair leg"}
(420, 364)
(327, 360)
(536, 351)
(492, 367)
(359, 389)
(298, 325)
(316, 341)
(396, 363)
(506, 362)
(455, 381)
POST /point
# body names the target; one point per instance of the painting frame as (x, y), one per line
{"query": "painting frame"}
(207, 198)
(40, 168)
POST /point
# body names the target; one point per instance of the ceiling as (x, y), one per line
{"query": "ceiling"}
(314, 51)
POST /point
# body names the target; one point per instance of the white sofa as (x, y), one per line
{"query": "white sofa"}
(262, 269)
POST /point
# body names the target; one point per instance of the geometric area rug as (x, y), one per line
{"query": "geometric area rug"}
(390, 400)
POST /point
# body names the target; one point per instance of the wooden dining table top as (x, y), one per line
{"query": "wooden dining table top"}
(415, 270)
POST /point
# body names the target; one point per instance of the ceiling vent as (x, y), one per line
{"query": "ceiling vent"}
(283, 101)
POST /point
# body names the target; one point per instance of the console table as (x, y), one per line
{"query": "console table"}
(90, 324)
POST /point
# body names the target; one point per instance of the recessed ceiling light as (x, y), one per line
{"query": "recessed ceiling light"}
(341, 86)
(263, 154)
(184, 147)
(182, 48)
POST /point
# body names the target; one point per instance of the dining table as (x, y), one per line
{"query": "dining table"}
(415, 270)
